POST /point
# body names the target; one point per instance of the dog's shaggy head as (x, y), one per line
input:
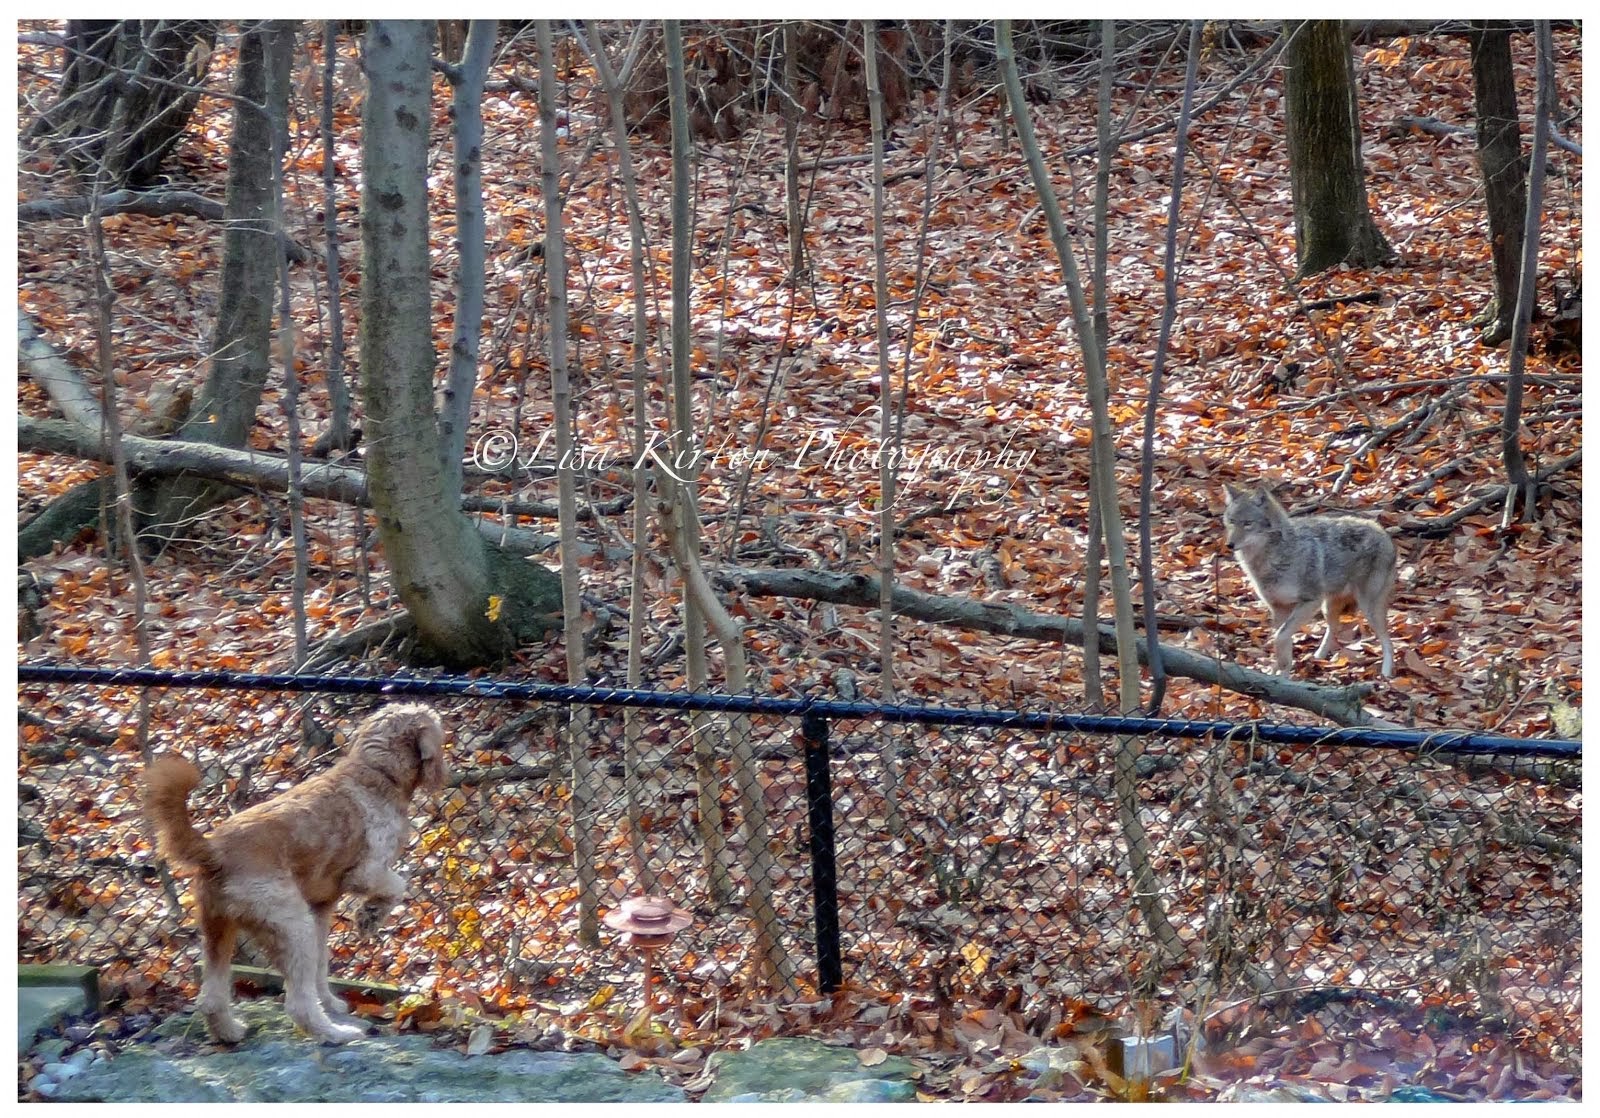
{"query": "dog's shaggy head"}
(405, 742)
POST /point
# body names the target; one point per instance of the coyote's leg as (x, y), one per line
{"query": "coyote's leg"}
(1333, 611)
(1289, 622)
(1376, 607)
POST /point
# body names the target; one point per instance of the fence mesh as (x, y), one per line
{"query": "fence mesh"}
(975, 865)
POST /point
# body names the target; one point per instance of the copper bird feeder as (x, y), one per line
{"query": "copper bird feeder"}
(651, 923)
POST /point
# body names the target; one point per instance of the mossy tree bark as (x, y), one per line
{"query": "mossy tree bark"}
(1505, 177)
(1332, 221)
(471, 603)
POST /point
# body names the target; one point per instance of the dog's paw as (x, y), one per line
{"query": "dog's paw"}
(335, 1033)
(225, 1028)
(370, 917)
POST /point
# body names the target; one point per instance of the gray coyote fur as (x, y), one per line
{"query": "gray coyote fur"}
(1298, 563)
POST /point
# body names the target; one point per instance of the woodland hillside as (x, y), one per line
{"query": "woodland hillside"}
(1358, 390)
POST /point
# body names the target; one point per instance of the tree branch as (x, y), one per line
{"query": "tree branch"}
(1339, 704)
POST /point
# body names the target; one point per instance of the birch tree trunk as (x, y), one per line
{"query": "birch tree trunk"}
(337, 435)
(685, 463)
(632, 733)
(1146, 886)
(241, 346)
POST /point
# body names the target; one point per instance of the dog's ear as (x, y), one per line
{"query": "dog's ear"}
(430, 753)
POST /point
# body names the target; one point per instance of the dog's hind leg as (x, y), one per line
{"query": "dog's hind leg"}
(218, 935)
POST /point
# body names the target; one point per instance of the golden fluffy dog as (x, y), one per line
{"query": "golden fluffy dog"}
(276, 870)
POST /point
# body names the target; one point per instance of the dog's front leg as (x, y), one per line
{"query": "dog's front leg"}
(384, 889)
(371, 915)
(337, 1010)
(301, 958)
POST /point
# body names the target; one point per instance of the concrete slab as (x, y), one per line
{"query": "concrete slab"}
(39, 1007)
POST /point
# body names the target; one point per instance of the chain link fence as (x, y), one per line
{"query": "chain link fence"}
(978, 859)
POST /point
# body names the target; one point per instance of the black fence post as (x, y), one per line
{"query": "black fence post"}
(824, 882)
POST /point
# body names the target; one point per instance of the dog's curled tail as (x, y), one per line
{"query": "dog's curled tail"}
(168, 780)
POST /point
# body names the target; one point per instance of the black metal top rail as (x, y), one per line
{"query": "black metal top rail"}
(1445, 741)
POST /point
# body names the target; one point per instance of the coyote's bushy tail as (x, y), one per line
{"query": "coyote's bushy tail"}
(168, 780)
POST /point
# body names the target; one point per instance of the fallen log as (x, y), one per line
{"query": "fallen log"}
(64, 384)
(1339, 704)
(145, 203)
(246, 469)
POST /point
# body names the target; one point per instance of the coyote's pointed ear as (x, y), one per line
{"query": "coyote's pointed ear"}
(1234, 492)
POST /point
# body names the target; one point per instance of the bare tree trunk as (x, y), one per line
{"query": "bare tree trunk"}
(225, 407)
(123, 518)
(278, 105)
(888, 442)
(471, 604)
(1517, 480)
(121, 482)
(632, 733)
(337, 436)
(1094, 695)
(762, 867)
(1106, 147)
(467, 106)
(1332, 219)
(128, 89)
(1169, 311)
(585, 859)
(791, 155)
(1146, 886)
(686, 461)
(1505, 181)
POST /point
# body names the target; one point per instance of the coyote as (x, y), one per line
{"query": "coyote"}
(1299, 563)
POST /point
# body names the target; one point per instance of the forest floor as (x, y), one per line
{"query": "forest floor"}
(1486, 620)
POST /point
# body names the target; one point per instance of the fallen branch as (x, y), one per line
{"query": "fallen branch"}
(253, 469)
(1420, 416)
(1433, 527)
(1433, 126)
(145, 203)
(1339, 704)
(1340, 300)
(50, 371)
(358, 643)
